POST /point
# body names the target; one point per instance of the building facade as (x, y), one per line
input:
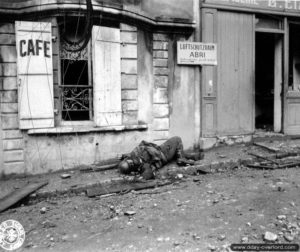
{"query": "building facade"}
(65, 102)
(256, 82)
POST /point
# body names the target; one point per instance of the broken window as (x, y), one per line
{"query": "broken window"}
(76, 87)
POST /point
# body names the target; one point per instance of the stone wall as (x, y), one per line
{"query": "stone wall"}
(160, 92)
(12, 138)
(129, 74)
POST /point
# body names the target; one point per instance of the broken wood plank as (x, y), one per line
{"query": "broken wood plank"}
(122, 186)
(12, 198)
(263, 157)
(261, 166)
(289, 165)
(287, 154)
(281, 166)
(271, 149)
(99, 168)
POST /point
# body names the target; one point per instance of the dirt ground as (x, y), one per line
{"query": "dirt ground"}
(197, 213)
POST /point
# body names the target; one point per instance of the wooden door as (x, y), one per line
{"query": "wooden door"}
(235, 84)
(292, 91)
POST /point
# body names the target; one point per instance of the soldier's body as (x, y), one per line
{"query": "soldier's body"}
(148, 157)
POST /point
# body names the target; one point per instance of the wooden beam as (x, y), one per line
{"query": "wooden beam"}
(278, 83)
(123, 186)
(15, 196)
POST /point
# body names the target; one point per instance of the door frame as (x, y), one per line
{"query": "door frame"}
(291, 99)
(279, 80)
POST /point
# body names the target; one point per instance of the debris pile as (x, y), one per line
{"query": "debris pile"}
(279, 158)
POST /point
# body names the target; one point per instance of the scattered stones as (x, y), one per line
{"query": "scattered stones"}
(222, 237)
(43, 210)
(269, 236)
(280, 189)
(281, 217)
(288, 237)
(160, 239)
(248, 224)
(215, 201)
(129, 213)
(140, 225)
(176, 243)
(65, 175)
(118, 211)
(216, 215)
(149, 229)
(196, 237)
(212, 247)
(65, 238)
(179, 176)
(245, 239)
(48, 224)
(292, 204)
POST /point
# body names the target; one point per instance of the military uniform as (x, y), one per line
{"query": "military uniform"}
(148, 156)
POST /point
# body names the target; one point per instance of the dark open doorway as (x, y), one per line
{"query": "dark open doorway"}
(268, 81)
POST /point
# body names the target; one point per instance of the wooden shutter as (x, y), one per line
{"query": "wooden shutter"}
(107, 76)
(35, 74)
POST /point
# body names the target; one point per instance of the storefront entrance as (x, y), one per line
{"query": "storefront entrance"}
(268, 81)
(256, 83)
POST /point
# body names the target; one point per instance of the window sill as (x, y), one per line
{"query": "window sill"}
(86, 129)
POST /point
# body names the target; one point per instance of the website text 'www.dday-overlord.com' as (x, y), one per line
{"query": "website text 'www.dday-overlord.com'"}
(264, 247)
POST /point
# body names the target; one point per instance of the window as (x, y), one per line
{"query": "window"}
(89, 82)
(90, 87)
(76, 88)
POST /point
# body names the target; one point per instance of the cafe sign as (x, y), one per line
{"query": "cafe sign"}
(196, 53)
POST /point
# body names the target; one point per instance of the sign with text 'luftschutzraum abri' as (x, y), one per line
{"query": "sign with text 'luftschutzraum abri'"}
(196, 53)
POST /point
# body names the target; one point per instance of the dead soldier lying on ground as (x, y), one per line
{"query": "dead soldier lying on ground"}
(148, 157)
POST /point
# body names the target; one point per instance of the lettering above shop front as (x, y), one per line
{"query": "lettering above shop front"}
(276, 5)
(32, 47)
(196, 53)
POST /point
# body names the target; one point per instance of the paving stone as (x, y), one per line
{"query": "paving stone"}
(269, 236)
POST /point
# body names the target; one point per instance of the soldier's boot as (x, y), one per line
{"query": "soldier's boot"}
(194, 155)
(184, 161)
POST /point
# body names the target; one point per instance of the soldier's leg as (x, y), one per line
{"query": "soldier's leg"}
(172, 148)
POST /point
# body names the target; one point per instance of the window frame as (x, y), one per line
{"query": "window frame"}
(60, 121)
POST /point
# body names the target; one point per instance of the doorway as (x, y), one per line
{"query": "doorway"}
(268, 81)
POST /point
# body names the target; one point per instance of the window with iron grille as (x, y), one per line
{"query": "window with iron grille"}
(76, 89)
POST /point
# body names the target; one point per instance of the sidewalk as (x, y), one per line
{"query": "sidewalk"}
(218, 159)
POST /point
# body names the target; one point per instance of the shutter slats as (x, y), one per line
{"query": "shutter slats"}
(35, 74)
(107, 76)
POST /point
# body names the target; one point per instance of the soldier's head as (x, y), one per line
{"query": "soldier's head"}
(125, 166)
